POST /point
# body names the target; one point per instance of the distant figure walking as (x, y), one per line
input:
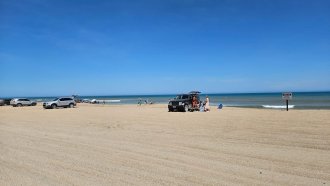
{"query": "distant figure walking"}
(207, 104)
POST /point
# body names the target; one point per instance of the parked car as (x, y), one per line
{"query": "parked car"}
(2, 102)
(77, 99)
(60, 102)
(185, 102)
(19, 102)
(7, 101)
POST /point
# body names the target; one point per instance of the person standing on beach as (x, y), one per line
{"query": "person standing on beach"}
(194, 102)
(207, 104)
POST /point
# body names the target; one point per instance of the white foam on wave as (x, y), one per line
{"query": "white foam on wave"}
(278, 106)
(229, 105)
(105, 101)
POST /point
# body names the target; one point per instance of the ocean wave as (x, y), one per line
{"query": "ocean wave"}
(278, 106)
(230, 105)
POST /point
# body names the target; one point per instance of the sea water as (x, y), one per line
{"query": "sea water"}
(301, 100)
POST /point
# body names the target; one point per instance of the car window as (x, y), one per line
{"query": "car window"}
(20, 100)
(62, 99)
(26, 100)
(185, 97)
(66, 99)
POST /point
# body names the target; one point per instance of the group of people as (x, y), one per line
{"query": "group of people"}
(146, 101)
(204, 106)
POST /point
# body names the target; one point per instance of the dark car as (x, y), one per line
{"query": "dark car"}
(185, 102)
(7, 101)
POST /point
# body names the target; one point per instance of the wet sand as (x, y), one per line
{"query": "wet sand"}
(132, 145)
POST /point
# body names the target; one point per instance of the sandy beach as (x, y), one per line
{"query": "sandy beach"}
(132, 145)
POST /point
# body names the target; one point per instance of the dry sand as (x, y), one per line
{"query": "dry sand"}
(131, 145)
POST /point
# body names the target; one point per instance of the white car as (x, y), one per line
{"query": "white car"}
(19, 102)
(60, 102)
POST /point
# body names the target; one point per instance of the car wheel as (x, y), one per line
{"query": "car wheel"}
(54, 106)
(186, 108)
(71, 105)
(190, 108)
(19, 105)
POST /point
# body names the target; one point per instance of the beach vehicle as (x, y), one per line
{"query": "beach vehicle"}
(60, 102)
(7, 101)
(77, 99)
(19, 102)
(2, 102)
(184, 102)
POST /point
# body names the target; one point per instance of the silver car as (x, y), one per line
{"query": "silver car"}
(19, 102)
(60, 102)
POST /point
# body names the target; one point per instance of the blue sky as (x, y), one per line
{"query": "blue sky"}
(85, 47)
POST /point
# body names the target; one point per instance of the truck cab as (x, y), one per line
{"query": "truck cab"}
(185, 102)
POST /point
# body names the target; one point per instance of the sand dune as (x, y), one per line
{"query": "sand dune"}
(131, 145)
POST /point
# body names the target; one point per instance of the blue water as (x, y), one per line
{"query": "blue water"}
(301, 100)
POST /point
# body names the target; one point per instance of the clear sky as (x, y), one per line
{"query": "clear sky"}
(111, 47)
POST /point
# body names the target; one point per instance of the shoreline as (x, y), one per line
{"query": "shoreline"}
(212, 106)
(300, 100)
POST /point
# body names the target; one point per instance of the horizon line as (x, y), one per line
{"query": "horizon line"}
(158, 94)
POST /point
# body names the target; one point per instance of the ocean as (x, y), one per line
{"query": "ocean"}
(301, 100)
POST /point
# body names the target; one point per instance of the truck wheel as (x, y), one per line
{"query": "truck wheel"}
(191, 109)
(54, 106)
(186, 108)
(71, 105)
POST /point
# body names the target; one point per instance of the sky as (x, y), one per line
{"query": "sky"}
(129, 47)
